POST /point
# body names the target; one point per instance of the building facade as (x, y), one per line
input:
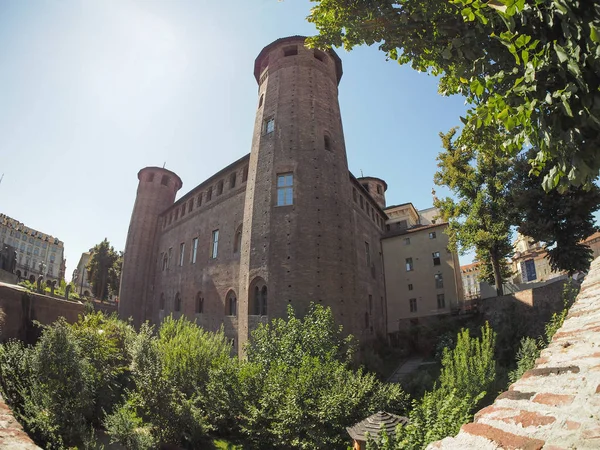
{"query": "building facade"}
(422, 275)
(81, 276)
(286, 225)
(37, 253)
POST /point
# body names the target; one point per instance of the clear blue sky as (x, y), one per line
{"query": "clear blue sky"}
(93, 90)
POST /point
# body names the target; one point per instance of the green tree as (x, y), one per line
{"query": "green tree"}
(104, 269)
(531, 67)
(560, 220)
(477, 172)
(300, 389)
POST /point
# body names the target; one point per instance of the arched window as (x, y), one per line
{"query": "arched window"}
(177, 302)
(258, 297)
(161, 303)
(199, 303)
(237, 240)
(263, 303)
(231, 304)
(165, 261)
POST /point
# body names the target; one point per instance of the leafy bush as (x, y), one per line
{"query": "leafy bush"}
(301, 391)
(469, 368)
(528, 352)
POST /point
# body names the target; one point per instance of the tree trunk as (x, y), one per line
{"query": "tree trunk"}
(497, 274)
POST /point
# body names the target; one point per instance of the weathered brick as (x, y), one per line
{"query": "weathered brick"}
(553, 399)
(572, 425)
(516, 395)
(591, 433)
(507, 441)
(530, 419)
(489, 410)
(545, 371)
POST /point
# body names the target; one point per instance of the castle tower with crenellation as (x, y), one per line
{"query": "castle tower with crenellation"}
(156, 191)
(286, 225)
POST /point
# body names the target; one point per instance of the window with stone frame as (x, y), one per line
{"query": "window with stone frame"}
(194, 250)
(181, 253)
(231, 302)
(268, 125)
(413, 304)
(409, 264)
(441, 301)
(285, 189)
(215, 244)
(439, 281)
(436, 258)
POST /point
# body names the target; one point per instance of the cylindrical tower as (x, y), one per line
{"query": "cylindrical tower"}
(298, 198)
(376, 188)
(156, 192)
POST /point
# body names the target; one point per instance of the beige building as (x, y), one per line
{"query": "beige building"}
(470, 280)
(529, 262)
(37, 253)
(80, 276)
(422, 276)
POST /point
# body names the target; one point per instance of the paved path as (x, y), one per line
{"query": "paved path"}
(406, 368)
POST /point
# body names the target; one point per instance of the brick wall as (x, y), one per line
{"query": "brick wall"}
(556, 405)
(12, 435)
(21, 307)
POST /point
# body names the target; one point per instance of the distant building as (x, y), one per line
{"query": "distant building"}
(422, 275)
(593, 242)
(80, 276)
(529, 262)
(470, 280)
(37, 253)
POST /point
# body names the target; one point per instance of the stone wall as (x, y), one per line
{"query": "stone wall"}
(7, 277)
(22, 307)
(525, 311)
(556, 405)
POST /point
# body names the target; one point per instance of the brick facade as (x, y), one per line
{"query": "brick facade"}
(324, 247)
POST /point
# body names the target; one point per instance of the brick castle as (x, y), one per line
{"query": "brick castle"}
(287, 224)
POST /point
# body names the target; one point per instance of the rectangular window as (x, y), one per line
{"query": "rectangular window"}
(194, 250)
(403, 224)
(164, 180)
(410, 287)
(354, 195)
(406, 241)
(177, 214)
(439, 281)
(209, 194)
(232, 180)
(362, 203)
(368, 254)
(413, 304)
(290, 51)
(245, 174)
(432, 235)
(215, 244)
(285, 189)
(199, 200)
(183, 210)
(409, 264)
(269, 125)
(169, 258)
(181, 253)
(190, 205)
(220, 187)
(327, 142)
(441, 301)
(436, 258)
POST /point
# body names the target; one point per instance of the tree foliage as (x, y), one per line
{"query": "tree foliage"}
(530, 67)
(560, 220)
(104, 268)
(468, 371)
(474, 168)
(301, 388)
